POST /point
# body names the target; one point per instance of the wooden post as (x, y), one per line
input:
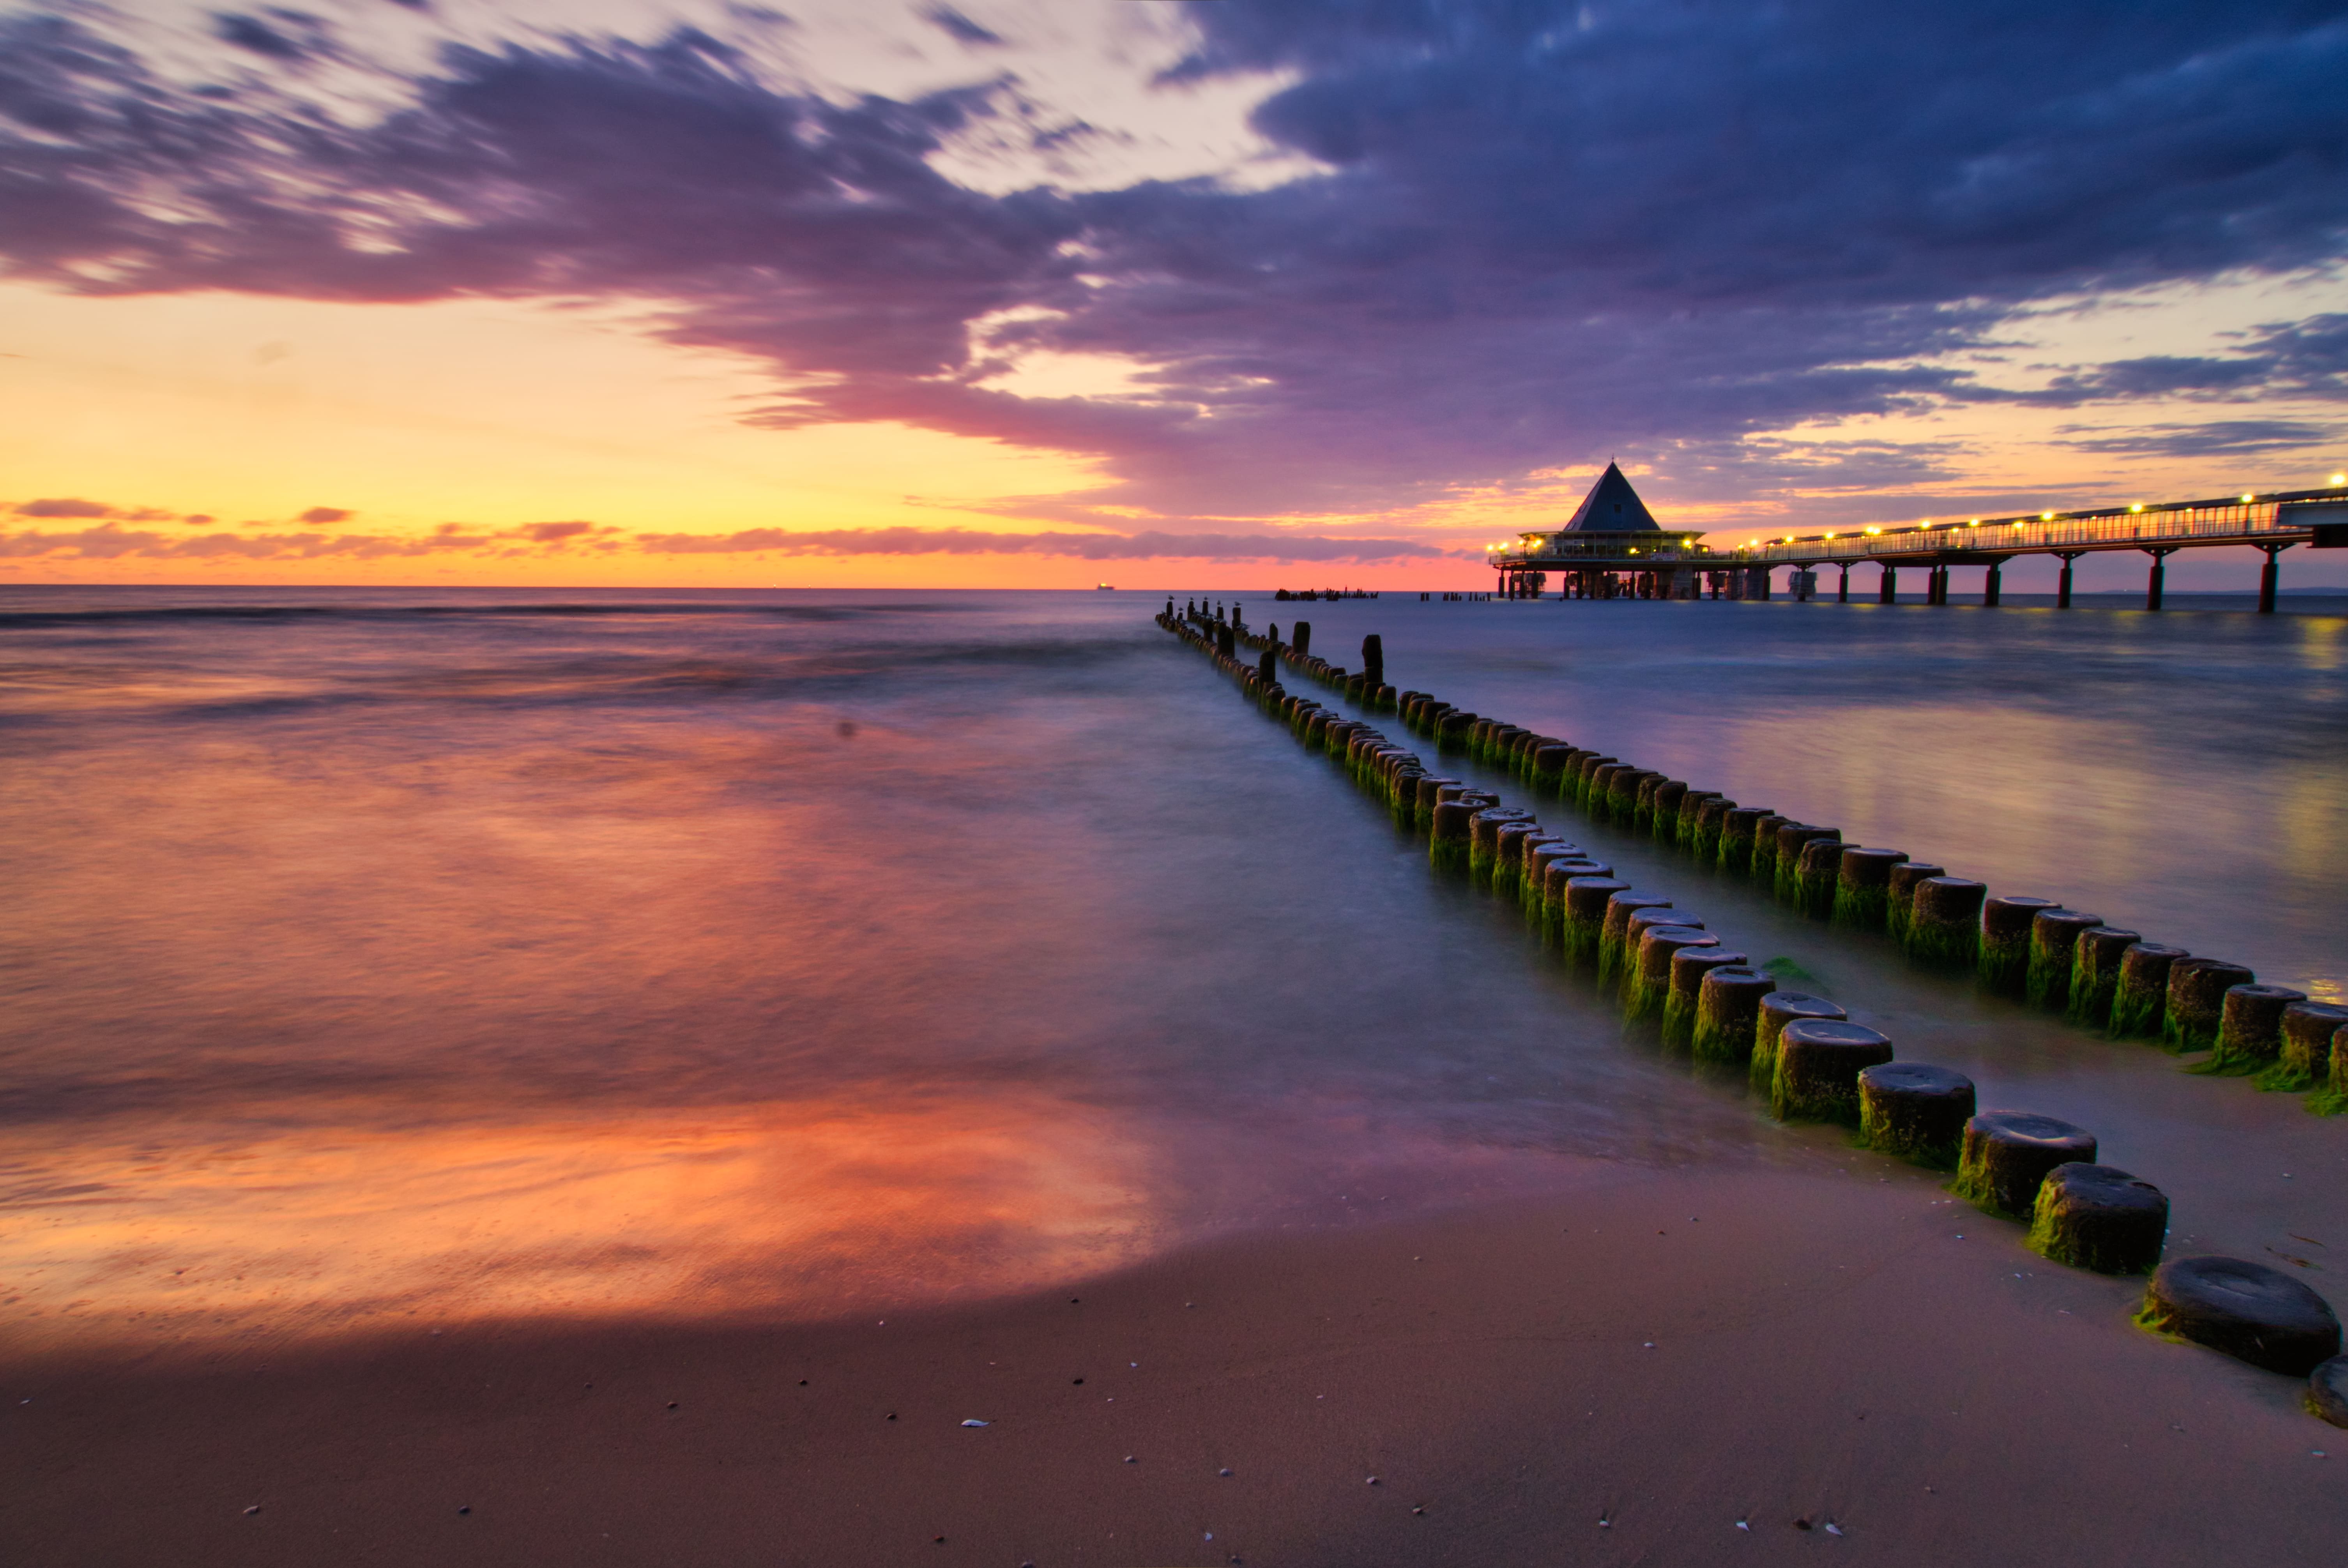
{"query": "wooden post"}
(1887, 591)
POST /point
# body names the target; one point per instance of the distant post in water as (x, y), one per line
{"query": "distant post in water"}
(1374, 659)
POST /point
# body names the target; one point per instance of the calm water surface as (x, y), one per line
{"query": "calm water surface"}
(405, 956)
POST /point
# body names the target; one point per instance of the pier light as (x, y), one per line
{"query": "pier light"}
(2021, 525)
(2045, 516)
(1875, 530)
(2340, 478)
(2137, 506)
(2247, 498)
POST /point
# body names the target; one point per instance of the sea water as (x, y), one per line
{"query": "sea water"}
(385, 957)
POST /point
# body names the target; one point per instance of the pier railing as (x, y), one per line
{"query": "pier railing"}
(2270, 520)
(2220, 522)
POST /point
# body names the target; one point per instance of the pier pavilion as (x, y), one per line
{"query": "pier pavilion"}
(1618, 546)
(1612, 547)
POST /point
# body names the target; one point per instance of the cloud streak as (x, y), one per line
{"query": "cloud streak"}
(1145, 546)
(111, 541)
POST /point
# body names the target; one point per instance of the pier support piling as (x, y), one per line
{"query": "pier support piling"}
(2268, 576)
(2159, 578)
(2063, 583)
(1888, 591)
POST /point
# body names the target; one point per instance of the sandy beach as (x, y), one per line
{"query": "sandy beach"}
(1625, 1374)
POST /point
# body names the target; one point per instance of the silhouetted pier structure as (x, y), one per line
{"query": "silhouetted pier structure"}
(1613, 548)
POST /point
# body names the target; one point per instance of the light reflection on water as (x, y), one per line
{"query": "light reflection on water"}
(793, 954)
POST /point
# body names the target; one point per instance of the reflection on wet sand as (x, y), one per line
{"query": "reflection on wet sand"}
(787, 1209)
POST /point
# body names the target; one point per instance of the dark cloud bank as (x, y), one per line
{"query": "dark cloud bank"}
(1548, 232)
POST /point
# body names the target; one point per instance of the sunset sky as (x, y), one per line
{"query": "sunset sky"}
(1215, 294)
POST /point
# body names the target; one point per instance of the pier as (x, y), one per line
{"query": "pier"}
(1612, 548)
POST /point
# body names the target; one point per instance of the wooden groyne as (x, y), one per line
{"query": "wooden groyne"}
(1811, 1061)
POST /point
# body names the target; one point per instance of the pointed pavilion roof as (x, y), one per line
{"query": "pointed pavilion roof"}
(1611, 507)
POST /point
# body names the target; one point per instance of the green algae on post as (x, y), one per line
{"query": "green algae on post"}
(1727, 1012)
(1622, 794)
(1647, 988)
(1785, 861)
(1484, 838)
(1690, 966)
(1738, 825)
(2096, 974)
(2249, 1311)
(2054, 939)
(1663, 809)
(2142, 993)
(1777, 1011)
(1818, 1063)
(1582, 928)
(1901, 895)
(2308, 1029)
(2099, 1218)
(2197, 1001)
(1614, 934)
(1700, 826)
(1535, 888)
(1944, 922)
(2327, 1391)
(1509, 863)
(2007, 1154)
(2004, 964)
(1862, 888)
(1815, 873)
(1447, 846)
(1634, 930)
(1916, 1111)
(2249, 1029)
(1761, 865)
(1548, 769)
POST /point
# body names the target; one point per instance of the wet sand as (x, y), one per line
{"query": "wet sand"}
(1619, 1374)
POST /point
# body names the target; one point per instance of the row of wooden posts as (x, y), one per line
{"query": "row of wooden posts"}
(1803, 1052)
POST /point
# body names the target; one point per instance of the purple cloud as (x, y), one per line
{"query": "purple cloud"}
(1545, 232)
(325, 515)
(64, 507)
(961, 29)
